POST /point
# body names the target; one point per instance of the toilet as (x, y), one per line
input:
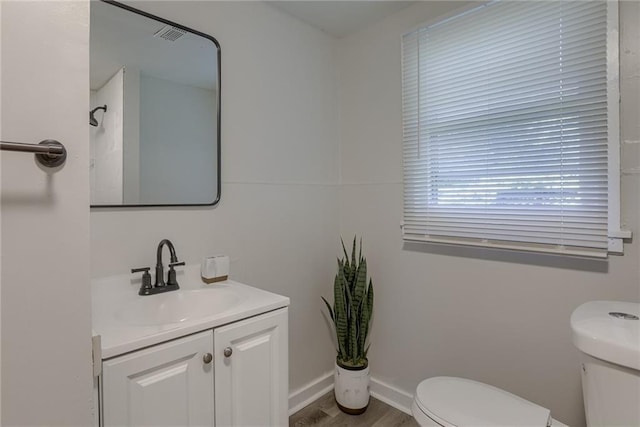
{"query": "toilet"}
(459, 402)
(608, 335)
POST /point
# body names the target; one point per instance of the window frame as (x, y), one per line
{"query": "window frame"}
(615, 233)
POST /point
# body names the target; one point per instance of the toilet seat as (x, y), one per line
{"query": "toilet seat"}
(459, 402)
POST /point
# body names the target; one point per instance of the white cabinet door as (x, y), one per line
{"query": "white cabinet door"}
(165, 385)
(251, 363)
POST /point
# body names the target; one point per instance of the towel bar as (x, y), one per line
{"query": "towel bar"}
(49, 153)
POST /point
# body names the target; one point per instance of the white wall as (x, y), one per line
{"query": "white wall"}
(278, 216)
(46, 304)
(178, 156)
(496, 317)
(106, 142)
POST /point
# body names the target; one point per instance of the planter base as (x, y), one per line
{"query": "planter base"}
(351, 389)
(352, 411)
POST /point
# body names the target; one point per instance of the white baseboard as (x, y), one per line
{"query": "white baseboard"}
(391, 395)
(318, 387)
(310, 392)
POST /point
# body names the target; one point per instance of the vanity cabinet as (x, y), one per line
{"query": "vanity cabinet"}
(251, 365)
(168, 384)
(233, 375)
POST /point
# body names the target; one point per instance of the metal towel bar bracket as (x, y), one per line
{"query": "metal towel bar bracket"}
(49, 153)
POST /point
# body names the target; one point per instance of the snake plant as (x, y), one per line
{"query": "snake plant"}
(352, 309)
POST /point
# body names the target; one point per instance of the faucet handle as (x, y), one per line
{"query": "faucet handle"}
(171, 277)
(146, 280)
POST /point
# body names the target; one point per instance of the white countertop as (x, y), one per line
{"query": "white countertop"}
(118, 336)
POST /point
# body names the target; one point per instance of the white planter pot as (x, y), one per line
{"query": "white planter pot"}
(352, 389)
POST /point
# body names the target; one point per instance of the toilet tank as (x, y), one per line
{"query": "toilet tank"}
(608, 335)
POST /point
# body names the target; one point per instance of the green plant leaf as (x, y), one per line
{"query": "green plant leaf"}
(329, 308)
(346, 271)
(360, 283)
(348, 338)
(353, 337)
(365, 315)
(354, 264)
(366, 319)
(346, 257)
(370, 297)
(340, 312)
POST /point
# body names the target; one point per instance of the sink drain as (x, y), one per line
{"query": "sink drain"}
(625, 316)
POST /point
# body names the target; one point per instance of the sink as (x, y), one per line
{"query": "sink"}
(177, 306)
(127, 321)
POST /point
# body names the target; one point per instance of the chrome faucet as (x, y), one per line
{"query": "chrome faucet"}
(160, 285)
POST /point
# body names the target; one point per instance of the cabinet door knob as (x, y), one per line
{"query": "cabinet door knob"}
(207, 358)
(228, 352)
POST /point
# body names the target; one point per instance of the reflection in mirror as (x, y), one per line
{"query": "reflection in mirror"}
(155, 111)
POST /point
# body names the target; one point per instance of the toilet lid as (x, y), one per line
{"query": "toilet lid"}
(460, 402)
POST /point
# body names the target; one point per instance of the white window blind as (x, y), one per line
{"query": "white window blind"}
(505, 128)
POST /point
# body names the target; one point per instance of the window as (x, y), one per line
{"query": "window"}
(510, 128)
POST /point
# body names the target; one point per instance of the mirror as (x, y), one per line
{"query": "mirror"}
(155, 111)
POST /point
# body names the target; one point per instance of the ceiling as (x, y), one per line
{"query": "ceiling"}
(341, 18)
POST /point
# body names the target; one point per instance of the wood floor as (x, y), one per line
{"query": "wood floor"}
(325, 412)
